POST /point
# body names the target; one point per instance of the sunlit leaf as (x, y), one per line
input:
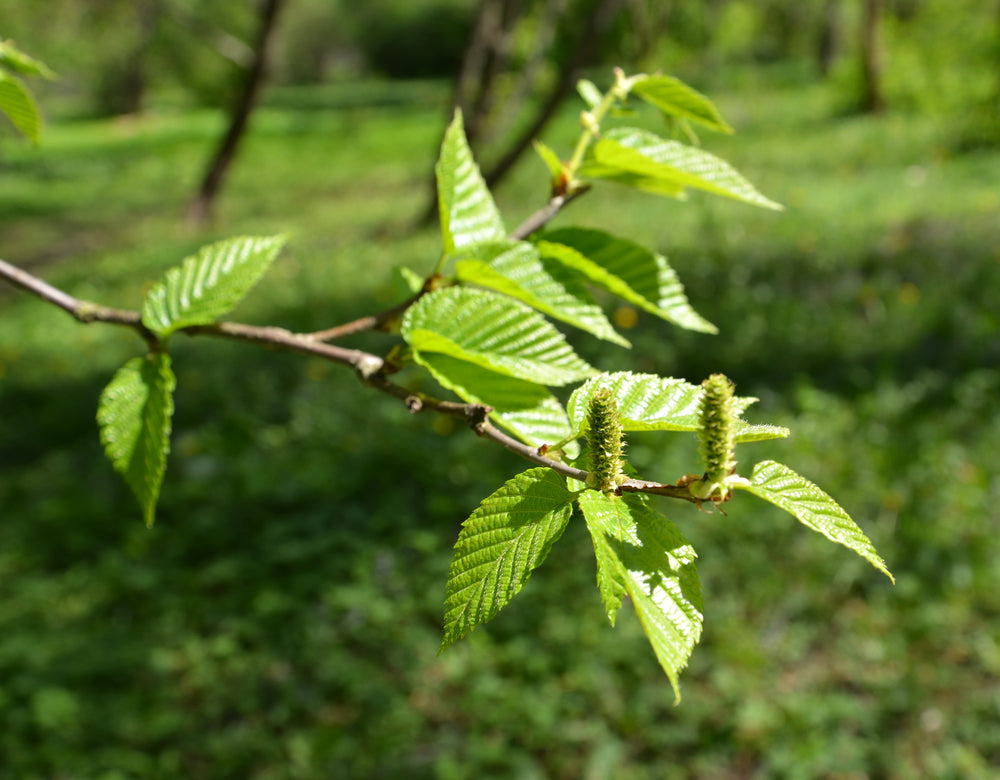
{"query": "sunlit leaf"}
(508, 536)
(642, 553)
(465, 205)
(675, 98)
(209, 284)
(551, 160)
(134, 416)
(633, 273)
(652, 161)
(495, 332)
(526, 409)
(647, 402)
(811, 506)
(516, 269)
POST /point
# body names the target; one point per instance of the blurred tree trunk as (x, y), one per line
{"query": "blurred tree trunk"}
(872, 99)
(829, 36)
(123, 86)
(593, 20)
(200, 210)
(600, 16)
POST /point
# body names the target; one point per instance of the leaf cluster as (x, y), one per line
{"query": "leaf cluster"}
(482, 323)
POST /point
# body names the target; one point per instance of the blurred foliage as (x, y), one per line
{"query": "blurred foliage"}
(256, 631)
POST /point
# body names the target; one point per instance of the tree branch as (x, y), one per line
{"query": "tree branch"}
(368, 367)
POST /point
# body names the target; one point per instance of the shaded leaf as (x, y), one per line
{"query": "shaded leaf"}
(526, 409)
(651, 161)
(20, 107)
(647, 402)
(642, 553)
(633, 273)
(811, 506)
(494, 332)
(134, 416)
(508, 536)
(516, 269)
(465, 205)
(208, 284)
(676, 99)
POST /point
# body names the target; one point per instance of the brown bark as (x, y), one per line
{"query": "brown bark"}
(200, 210)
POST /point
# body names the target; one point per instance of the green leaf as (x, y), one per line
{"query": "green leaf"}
(647, 402)
(209, 284)
(16, 60)
(676, 99)
(465, 205)
(516, 269)
(20, 107)
(494, 332)
(551, 160)
(641, 553)
(591, 95)
(134, 415)
(633, 273)
(526, 409)
(508, 536)
(778, 484)
(650, 162)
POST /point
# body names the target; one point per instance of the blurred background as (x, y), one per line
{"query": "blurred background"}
(282, 618)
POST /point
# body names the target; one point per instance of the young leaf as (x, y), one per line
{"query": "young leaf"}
(134, 415)
(209, 284)
(641, 553)
(676, 99)
(778, 484)
(526, 409)
(516, 269)
(647, 402)
(551, 160)
(20, 107)
(16, 60)
(633, 273)
(590, 93)
(649, 160)
(494, 332)
(465, 205)
(508, 536)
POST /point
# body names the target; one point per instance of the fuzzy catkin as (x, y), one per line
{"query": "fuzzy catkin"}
(718, 428)
(604, 438)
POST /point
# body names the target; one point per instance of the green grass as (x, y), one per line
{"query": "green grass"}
(283, 617)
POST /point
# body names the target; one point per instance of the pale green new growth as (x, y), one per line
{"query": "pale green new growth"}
(811, 506)
(209, 284)
(509, 535)
(495, 332)
(642, 554)
(465, 205)
(134, 415)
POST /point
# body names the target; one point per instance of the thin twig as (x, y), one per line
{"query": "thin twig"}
(368, 367)
(546, 214)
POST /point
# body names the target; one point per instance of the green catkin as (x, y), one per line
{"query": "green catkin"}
(604, 439)
(718, 428)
